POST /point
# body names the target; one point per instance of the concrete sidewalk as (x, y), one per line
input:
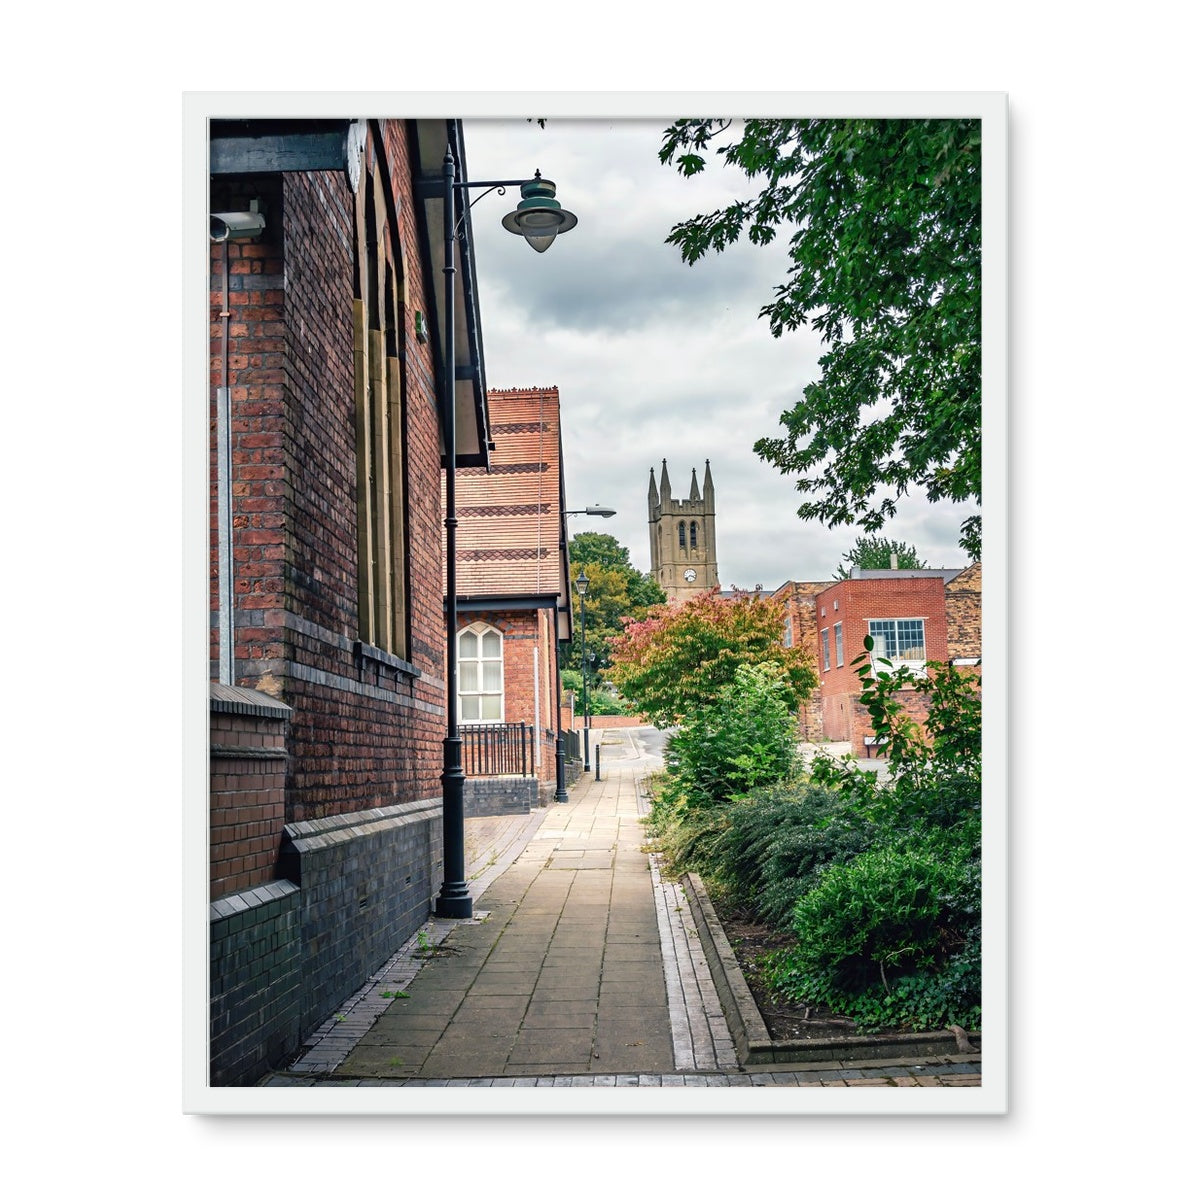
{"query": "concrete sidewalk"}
(561, 972)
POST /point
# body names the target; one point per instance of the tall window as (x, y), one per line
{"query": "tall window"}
(837, 644)
(825, 648)
(682, 536)
(693, 533)
(480, 674)
(378, 332)
(901, 642)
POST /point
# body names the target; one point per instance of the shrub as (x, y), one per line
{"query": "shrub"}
(775, 844)
(743, 740)
(889, 937)
(922, 999)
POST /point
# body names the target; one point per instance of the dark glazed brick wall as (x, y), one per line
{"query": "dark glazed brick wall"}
(367, 883)
(254, 997)
(496, 796)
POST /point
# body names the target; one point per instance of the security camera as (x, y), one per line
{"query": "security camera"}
(236, 226)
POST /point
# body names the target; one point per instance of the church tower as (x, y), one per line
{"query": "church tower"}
(683, 536)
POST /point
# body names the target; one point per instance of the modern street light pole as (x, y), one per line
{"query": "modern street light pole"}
(560, 756)
(581, 586)
(539, 218)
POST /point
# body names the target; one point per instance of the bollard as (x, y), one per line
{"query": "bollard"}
(597, 762)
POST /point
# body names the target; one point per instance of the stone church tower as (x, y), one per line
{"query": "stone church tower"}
(683, 537)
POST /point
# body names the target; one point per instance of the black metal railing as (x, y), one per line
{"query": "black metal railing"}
(571, 744)
(498, 749)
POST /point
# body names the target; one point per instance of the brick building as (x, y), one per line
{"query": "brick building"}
(327, 620)
(514, 600)
(913, 616)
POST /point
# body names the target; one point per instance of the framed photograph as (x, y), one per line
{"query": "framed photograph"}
(586, 627)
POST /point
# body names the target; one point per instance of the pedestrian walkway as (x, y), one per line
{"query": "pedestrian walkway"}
(562, 975)
(580, 967)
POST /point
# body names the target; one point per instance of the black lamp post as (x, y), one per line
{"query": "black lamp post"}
(539, 218)
(581, 586)
(560, 756)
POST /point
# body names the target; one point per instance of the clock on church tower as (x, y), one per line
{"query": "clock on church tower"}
(683, 536)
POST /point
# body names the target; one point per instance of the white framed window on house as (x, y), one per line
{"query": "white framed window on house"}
(825, 648)
(838, 646)
(900, 641)
(480, 674)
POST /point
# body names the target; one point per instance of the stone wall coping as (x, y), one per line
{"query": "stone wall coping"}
(246, 702)
(255, 897)
(329, 831)
(375, 654)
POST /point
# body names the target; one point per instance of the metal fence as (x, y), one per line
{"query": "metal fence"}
(571, 744)
(498, 749)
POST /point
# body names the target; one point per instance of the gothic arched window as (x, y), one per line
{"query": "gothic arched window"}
(682, 536)
(693, 535)
(480, 674)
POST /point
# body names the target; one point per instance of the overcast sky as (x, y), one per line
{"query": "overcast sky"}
(655, 359)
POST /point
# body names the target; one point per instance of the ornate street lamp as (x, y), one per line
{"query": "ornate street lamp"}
(539, 218)
(581, 586)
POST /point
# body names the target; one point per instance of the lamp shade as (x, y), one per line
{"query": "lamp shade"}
(581, 584)
(539, 218)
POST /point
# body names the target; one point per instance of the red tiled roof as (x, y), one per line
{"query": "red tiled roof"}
(510, 517)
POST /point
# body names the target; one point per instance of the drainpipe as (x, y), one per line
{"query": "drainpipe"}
(225, 487)
(224, 227)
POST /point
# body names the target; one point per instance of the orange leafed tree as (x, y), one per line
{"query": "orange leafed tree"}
(678, 658)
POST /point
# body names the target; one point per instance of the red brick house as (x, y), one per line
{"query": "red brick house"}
(913, 617)
(513, 604)
(327, 620)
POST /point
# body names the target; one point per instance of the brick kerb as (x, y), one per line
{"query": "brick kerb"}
(753, 1043)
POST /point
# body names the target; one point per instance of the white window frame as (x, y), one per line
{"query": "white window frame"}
(839, 645)
(469, 671)
(825, 649)
(892, 650)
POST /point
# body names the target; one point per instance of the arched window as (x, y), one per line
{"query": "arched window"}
(378, 324)
(693, 535)
(480, 674)
(682, 536)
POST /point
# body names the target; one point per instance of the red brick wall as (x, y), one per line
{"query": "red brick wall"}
(800, 608)
(364, 733)
(858, 600)
(254, 375)
(247, 771)
(526, 673)
(604, 722)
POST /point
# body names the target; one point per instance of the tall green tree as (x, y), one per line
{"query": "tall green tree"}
(616, 590)
(875, 554)
(678, 658)
(885, 221)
